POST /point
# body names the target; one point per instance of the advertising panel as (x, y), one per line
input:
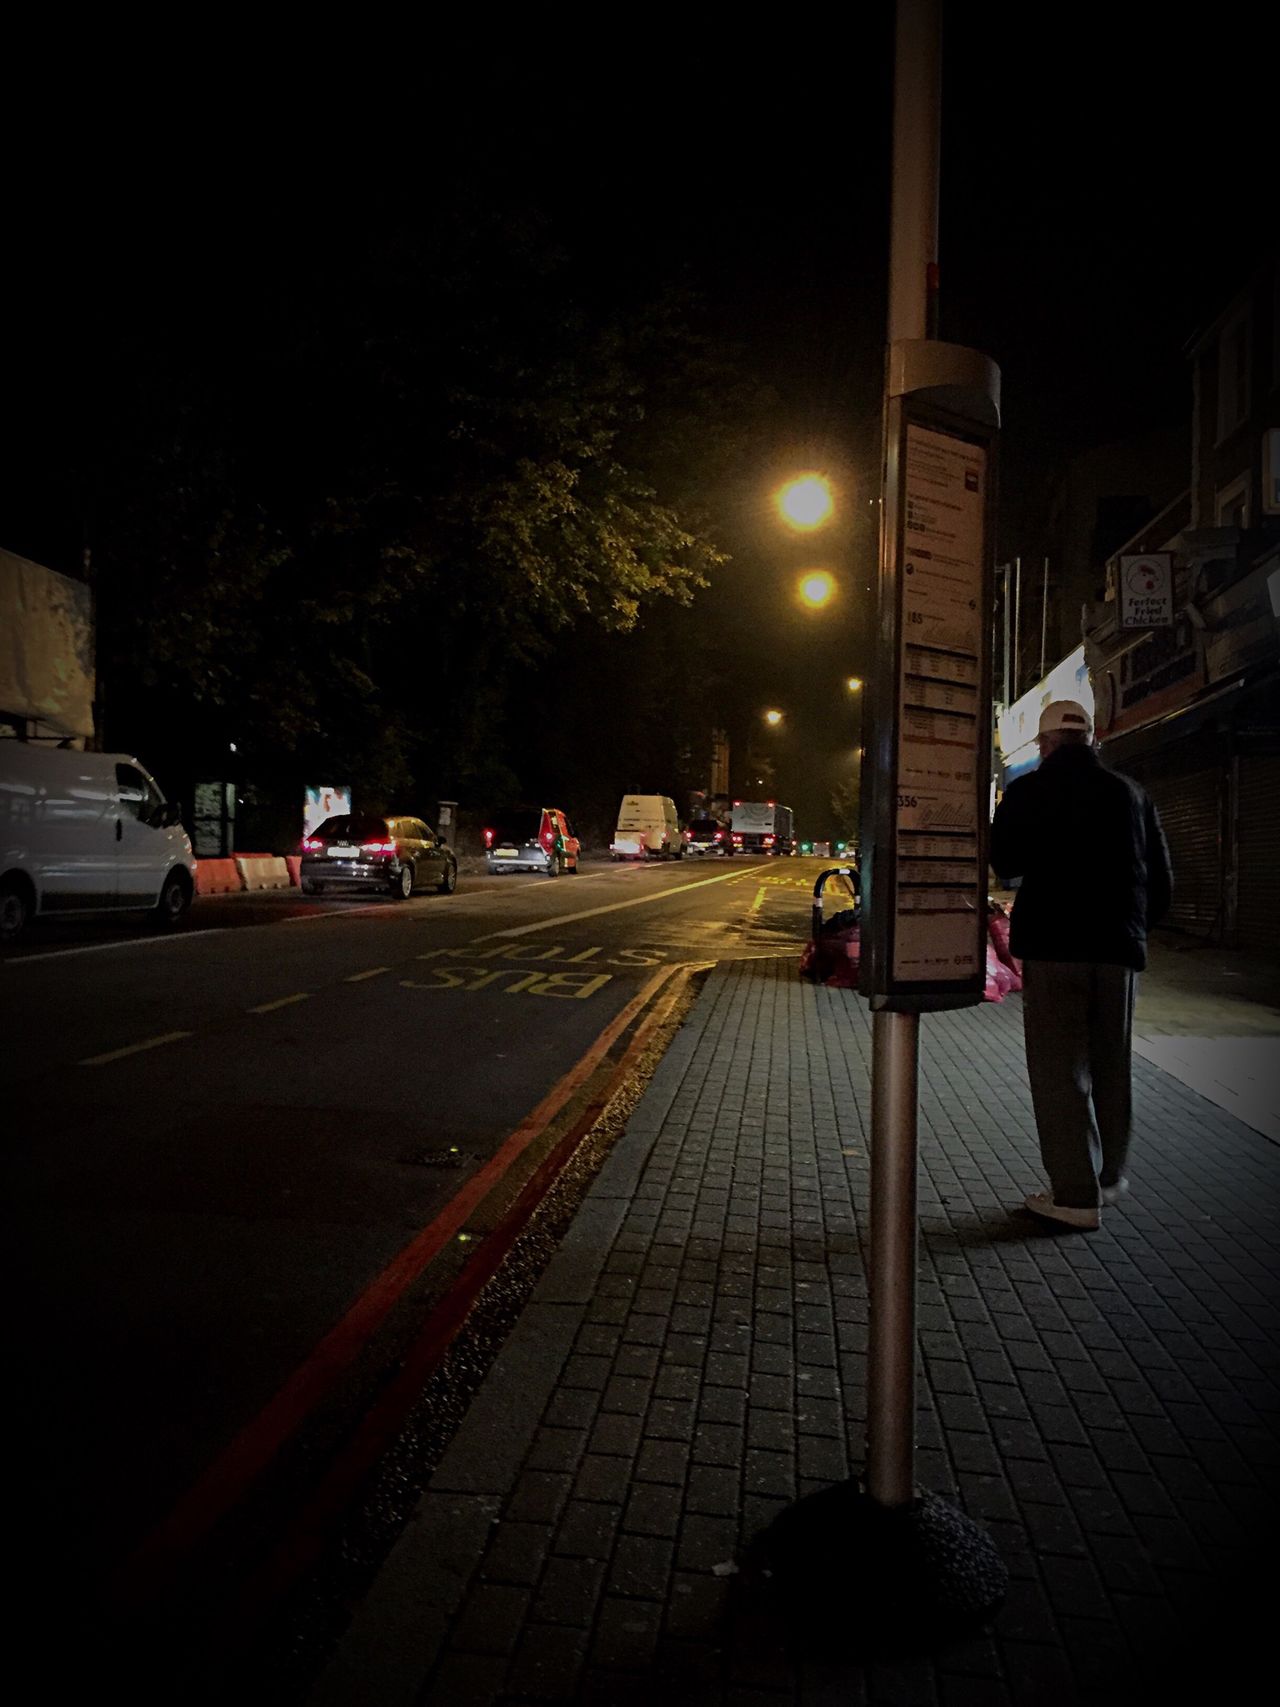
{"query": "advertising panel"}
(321, 802)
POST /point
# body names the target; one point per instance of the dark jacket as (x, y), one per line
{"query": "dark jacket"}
(1092, 857)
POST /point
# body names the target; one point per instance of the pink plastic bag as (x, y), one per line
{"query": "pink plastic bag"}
(998, 932)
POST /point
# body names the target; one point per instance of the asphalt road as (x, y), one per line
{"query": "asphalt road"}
(245, 1158)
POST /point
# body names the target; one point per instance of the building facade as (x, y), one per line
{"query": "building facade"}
(1188, 701)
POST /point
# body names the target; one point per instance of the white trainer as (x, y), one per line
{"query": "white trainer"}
(1083, 1220)
(1113, 1193)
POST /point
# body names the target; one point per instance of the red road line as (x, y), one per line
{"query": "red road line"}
(310, 1530)
(226, 1480)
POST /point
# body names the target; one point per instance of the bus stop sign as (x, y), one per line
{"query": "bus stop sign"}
(928, 792)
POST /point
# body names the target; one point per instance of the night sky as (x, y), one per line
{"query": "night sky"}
(1102, 190)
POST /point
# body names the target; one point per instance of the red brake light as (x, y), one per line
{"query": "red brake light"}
(310, 844)
(737, 838)
(488, 838)
(768, 841)
(719, 835)
(378, 847)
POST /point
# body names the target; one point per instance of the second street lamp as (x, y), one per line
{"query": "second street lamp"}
(817, 587)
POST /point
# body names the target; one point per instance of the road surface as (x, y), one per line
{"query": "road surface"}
(247, 1159)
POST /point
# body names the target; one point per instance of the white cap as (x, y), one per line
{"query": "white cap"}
(1065, 714)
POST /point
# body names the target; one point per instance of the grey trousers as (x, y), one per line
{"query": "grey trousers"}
(1078, 1019)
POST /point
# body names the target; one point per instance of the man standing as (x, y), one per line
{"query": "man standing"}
(1094, 865)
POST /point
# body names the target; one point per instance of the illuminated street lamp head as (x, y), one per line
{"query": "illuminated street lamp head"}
(773, 718)
(854, 683)
(806, 502)
(816, 588)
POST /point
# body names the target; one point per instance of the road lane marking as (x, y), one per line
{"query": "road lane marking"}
(373, 972)
(559, 919)
(38, 958)
(224, 1482)
(280, 1002)
(134, 1049)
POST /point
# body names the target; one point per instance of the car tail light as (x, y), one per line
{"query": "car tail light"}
(719, 835)
(768, 841)
(311, 844)
(737, 839)
(378, 847)
(488, 838)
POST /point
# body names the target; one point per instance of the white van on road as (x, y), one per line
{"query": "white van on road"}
(648, 828)
(87, 833)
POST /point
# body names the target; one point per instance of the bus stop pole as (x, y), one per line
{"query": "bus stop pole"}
(891, 1366)
(913, 250)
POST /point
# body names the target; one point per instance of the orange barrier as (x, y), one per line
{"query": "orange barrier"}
(294, 863)
(217, 877)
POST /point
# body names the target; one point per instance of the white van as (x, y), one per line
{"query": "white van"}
(648, 828)
(87, 832)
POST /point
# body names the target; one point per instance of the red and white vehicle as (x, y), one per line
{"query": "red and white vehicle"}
(531, 838)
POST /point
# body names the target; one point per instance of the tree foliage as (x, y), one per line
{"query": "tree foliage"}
(335, 526)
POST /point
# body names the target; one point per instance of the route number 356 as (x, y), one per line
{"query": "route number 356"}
(905, 800)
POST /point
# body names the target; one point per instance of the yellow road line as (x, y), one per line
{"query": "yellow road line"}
(373, 972)
(613, 907)
(133, 1049)
(281, 1002)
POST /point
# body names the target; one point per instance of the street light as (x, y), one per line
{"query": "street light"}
(816, 588)
(773, 718)
(854, 683)
(806, 502)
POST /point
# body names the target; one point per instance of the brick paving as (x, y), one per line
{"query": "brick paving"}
(694, 1359)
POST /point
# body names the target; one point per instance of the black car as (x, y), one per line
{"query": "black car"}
(395, 855)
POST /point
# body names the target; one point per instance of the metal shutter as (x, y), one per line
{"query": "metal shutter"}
(1258, 851)
(1190, 808)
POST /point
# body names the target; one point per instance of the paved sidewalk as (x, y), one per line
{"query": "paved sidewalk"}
(694, 1358)
(1211, 1017)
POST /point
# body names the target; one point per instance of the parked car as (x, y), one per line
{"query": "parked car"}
(532, 838)
(87, 833)
(360, 851)
(709, 836)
